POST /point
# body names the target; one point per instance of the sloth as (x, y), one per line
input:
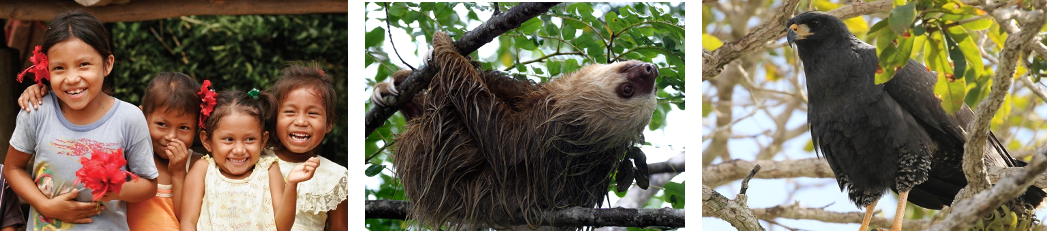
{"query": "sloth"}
(482, 150)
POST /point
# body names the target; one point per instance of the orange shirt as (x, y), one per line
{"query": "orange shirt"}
(157, 213)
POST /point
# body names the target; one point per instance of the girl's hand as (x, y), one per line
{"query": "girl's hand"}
(304, 171)
(64, 207)
(32, 94)
(177, 156)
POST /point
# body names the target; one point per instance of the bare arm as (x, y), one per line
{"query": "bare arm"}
(338, 219)
(178, 181)
(136, 191)
(284, 221)
(288, 202)
(193, 196)
(177, 184)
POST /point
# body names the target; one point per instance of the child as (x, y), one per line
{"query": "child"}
(305, 114)
(231, 189)
(80, 118)
(171, 107)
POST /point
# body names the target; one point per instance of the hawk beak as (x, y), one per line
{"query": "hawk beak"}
(798, 32)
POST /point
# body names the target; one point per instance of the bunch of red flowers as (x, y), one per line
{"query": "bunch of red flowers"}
(103, 173)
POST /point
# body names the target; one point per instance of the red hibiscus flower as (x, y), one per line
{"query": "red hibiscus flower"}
(39, 67)
(207, 101)
(102, 173)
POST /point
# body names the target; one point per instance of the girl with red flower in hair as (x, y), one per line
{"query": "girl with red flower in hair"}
(172, 107)
(79, 122)
(235, 188)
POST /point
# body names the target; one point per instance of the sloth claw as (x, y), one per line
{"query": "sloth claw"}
(380, 89)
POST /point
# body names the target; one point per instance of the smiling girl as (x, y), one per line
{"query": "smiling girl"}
(235, 188)
(79, 119)
(305, 113)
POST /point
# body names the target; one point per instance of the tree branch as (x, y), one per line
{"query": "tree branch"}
(573, 216)
(734, 211)
(795, 211)
(966, 212)
(973, 165)
(469, 42)
(729, 171)
(769, 30)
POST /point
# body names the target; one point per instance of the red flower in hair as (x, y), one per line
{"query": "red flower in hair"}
(102, 173)
(321, 73)
(39, 67)
(207, 98)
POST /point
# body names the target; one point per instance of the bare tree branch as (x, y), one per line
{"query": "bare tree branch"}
(966, 212)
(974, 166)
(732, 170)
(795, 211)
(734, 211)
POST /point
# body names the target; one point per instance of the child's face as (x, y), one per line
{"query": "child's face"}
(166, 125)
(301, 120)
(77, 72)
(236, 144)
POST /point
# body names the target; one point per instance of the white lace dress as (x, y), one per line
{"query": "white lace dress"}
(316, 196)
(245, 204)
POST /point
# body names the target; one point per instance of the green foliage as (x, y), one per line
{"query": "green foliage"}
(235, 53)
(567, 33)
(945, 29)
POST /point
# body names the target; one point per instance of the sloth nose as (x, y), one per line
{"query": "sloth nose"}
(649, 70)
(642, 75)
(641, 71)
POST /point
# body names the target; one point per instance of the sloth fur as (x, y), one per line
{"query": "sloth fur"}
(481, 147)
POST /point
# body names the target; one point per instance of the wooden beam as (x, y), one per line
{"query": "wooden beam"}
(141, 10)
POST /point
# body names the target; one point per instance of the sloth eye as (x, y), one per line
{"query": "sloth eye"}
(626, 90)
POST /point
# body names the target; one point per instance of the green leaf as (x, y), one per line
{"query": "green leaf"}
(955, 54)
(969, 50)
(569, 31)
(937, 59)
(530, 26)
(901, 58)
(980, 24)
(554, 67)
(396, 9)
(374, 37)
(581, 8)
(951, 91)
(373, 170)
(901, 17)
(674, 192)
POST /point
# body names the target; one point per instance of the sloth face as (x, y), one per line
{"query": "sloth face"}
(621, 93)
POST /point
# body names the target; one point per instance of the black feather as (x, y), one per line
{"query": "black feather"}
(891, 136)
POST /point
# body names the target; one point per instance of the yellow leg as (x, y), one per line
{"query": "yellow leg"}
(868, 216)
(899, 215)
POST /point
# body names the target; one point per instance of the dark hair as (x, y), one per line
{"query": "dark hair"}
(87, 28)
(302, 75)
(228, 101)
(173, 91)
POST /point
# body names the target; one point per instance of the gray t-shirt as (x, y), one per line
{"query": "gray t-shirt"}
(58, 144)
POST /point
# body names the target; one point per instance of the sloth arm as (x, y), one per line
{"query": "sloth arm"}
(496, 111)
(475, 96)
(512, 92)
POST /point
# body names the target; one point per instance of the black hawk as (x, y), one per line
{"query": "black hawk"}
(894, 135)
